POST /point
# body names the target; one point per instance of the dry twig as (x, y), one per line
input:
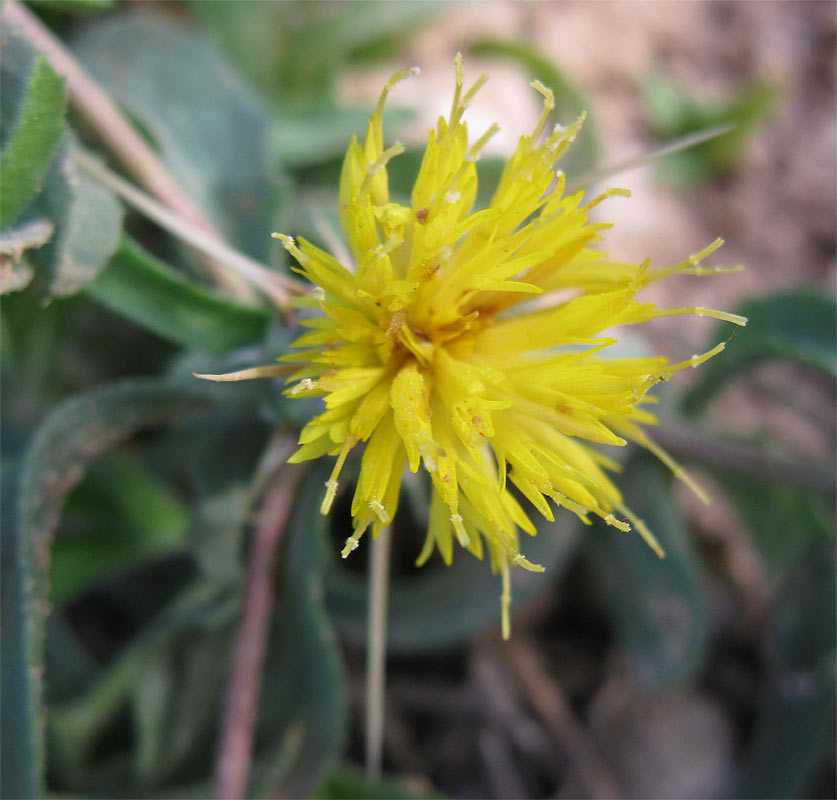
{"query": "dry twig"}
(239, 715)
(547, 700)
(120, 137)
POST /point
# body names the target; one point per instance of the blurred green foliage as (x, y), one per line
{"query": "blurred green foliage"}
(129, 487)
(671, 112)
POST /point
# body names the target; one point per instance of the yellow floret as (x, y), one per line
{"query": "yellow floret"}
(430, 351)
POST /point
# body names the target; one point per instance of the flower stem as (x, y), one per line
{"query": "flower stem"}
(376, 648)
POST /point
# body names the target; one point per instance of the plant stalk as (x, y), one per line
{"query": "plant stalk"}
(376, 649)
(238, 722)
(275, 286)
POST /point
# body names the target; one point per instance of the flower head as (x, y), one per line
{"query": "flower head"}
(472, 344)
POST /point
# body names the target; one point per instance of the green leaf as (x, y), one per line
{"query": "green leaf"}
(117, 517)
(796, 325)
(796, 717)
(179, 701)
(88, 225)
(801, 632)
(796, 711)
(204, 610)
(656, 605)
(307, 135)
(75, 6)
(19, 723)
(147, 291)
(34, 341)
(785, 523)
(438, 606)
(85, 216)
(209, 127)
(171, 675)
(302, 705)
(72, 435)
(583, 156)
(33, 142)
(296, 52)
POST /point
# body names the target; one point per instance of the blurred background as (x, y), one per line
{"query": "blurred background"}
(132, 492)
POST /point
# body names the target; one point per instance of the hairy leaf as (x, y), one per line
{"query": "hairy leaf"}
(33, 141)
(147, 291)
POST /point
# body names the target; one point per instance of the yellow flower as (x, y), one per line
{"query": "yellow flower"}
(471, 343)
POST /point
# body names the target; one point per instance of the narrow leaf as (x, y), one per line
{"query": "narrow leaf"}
(147, 291)
(19, 723)
(786, 523)
(791, 733)
(88, 224)
(796, 714)
(72, 435)
(118, 517)
(33, 142)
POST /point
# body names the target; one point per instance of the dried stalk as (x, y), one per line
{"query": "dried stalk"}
(239, 715)
(120, 138)
(376, 651)
(546, 698)
(274, 285)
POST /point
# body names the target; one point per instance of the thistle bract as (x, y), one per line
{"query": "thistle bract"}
(473, 344)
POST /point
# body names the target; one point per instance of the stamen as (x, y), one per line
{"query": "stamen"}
(331, 493)
(429, 462)
(290, 245)
(521, 561)
(613, 192)
(459, 528)
(331, 483)
(397, 78)
(473, 153)
(460, 103)
(351, 544)
(548, 106)
(617, 523)
(382, 160)
(305, 385)
(380, 512)
(644, 531)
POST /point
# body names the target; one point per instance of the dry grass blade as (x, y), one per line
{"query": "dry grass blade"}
(275, 286)
(120, 137)
(548, 701)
